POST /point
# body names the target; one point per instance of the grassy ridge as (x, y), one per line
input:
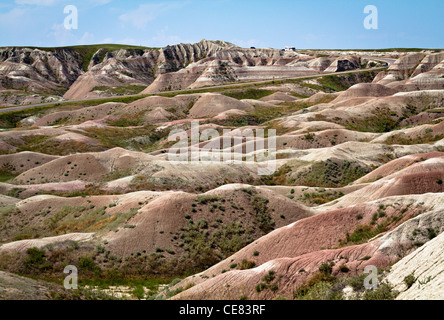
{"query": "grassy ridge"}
(10, 119)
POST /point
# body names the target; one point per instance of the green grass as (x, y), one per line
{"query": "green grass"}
(249, 93)
(7, 172)
(260, 115)
(326, 174)
(340, 82)
(44, 144)
(4, 177)
(331, 174)
(112, 137)
(405, 140)
(320, 197)
(381, 121)
(11, 119)
(121, 90)
(127, 120)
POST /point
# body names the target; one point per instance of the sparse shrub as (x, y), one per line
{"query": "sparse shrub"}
(35, 260)
(247, 264)
(409, 280)
(139, 292)
(202, 224)
(87, 264)
(432, 233)
(326, 268)
(384, 292)
(274, 287)
(270, 276)
(261, 286)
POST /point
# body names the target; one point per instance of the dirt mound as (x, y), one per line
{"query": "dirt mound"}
(81, 115)
(14, 287)
(418, 134)
(23, 245)
(314, 140)
(154, 102)
(211, 104)
(321, 96)
(396, 165)
(366, 154)
(24, 191)
(279, 96)
(257, 103)
(6, 201)
(86, 167)
(159, 223)
(365, 90)
(23, 161)
(420, 182)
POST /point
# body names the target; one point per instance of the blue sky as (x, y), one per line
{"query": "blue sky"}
(313, 24)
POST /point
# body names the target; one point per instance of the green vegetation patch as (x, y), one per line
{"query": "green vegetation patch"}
(120, 90)
(112, 137)
(260, 115)
(7, 172)
(46, 145)
(401, 139)
(323, 174)
(320, 197)
(249, 93)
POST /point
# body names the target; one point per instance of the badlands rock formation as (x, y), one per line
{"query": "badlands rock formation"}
(358, 179)
(94, 71)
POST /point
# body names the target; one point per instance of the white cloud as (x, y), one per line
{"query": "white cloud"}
(162, 39)
(60, 36)
(87, 38)
(107, 40)
(37, 2)
(246, 43)
(12, 17)
(53, 2)
(148, 12)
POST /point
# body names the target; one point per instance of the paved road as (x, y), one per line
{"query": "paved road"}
(388, 60)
